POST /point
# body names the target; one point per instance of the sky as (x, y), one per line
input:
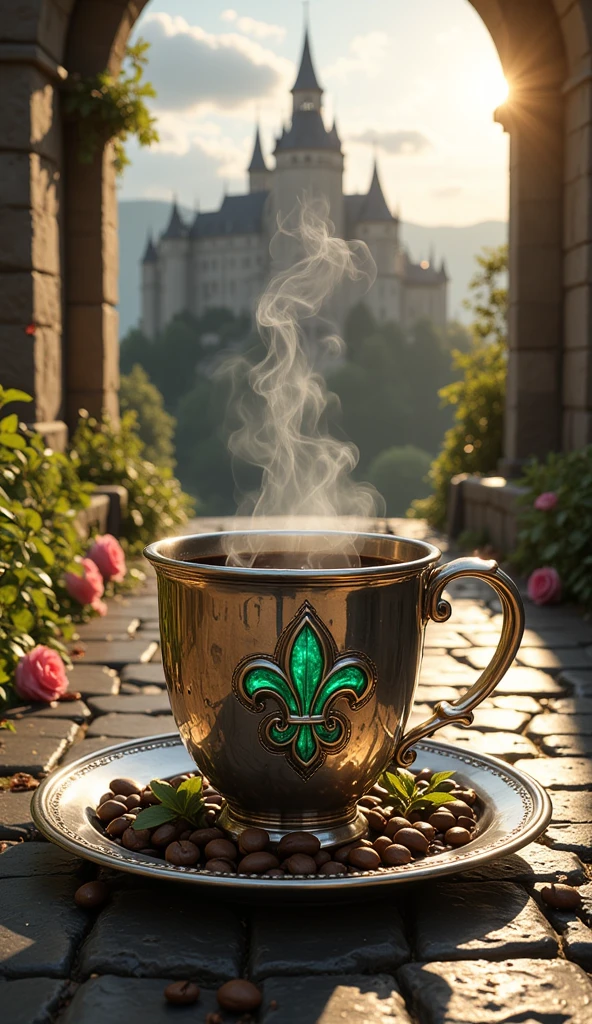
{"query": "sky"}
(414, 81)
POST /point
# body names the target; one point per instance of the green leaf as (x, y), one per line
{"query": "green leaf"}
(152, 817)
(394, 784)
(191, 787)
(408, 780)
(23, 620)
(13, 441)
(437, 778)
(167, 795)
(9, 424)
(45, 551)
(434, 799)
(15, 395)
(8, 594)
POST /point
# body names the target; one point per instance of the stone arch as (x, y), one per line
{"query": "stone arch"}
(58, 217)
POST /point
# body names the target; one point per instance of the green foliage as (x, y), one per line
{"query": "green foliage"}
(399, 474)
(40, 496)
(560, 537)
(106, 454)
(183, 802)
(475, 441)
(111, 108)
(155, 426)
(406, 796)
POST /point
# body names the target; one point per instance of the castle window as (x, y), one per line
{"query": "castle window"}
(307, 105)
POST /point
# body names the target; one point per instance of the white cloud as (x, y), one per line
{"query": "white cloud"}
(366, 55)
(396, 143)
(192, 69)
(252, 27)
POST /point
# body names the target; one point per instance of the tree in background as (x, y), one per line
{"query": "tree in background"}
(474, 443)
(399, 474)
(156, 426)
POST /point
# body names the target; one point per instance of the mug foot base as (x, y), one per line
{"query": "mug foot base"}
(333, 834)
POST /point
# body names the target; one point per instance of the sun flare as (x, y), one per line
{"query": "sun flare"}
(491, 87)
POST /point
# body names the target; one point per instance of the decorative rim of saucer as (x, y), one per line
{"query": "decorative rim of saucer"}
(66, 820)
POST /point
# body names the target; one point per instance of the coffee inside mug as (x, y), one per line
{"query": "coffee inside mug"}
(296, 560)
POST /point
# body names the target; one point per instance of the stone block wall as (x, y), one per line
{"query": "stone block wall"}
(486, 505)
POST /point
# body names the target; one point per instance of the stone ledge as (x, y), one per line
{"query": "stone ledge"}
(485, 504)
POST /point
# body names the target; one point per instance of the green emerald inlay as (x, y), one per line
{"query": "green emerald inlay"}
(260, 679)
(348, 678)
(282, 736)
(306, 744)
(306, 666)
(327, 735)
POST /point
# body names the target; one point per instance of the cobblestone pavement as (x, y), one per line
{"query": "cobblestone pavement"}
(480, 948)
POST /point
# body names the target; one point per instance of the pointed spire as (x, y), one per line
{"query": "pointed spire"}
(444, 270)
(150, 253)
(375, 207)
(432, 256)
(306, 80)
(176, 228)
(257, 160)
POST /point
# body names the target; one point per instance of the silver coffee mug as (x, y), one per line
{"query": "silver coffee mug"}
(292, 687)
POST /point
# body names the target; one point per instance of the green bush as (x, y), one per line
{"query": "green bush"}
(40, 496)
(560, 537)
(105, 454)
(399, 474)
(155, 426)
(474, 444)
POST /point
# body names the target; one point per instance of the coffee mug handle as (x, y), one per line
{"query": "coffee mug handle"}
(460, 711)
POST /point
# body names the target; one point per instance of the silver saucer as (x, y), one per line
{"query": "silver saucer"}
(516, 811)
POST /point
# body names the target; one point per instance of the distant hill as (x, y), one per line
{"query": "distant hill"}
(457, 244)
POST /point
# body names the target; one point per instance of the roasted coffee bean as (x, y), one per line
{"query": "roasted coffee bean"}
(118, 826)
(333, 867)
(165, 834)
(376, 821)
(148, 799)
(182, 854)
(257, 863)
(442, 820)
(387, 811)
(148, 851)
(469, 823)
(253, 840)
(418, 815)
(239, 995)
(369, 801)
(436, 848)
(381, 843)
(182, 993)
(447, 786)
(424, 775)
(202, 836)
(125, 787)
(298, 842)
(395, 824)
(468, 795)
(109, 810)
(561, 897)
(178, 779)
(364, 858)
(341, 854)
(322, 857)
(301, 864)
(275, 873)
(460, 809)
(422, 784)
(132, 801)
(186, 835)
(210, 816)
(216, 864)
(222, 848)
(91, 894)
(457, 836)
(395, 854)
(424, 827)
(105, 797)
(412, 839)
(378, 790)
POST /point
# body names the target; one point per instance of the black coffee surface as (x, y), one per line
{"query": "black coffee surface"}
(297, 560)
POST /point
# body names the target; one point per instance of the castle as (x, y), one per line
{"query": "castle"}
(222, 259)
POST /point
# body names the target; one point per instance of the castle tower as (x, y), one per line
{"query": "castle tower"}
(309, 159)
(380, 230)
(150, 322)
(259, 173)
(173, 253)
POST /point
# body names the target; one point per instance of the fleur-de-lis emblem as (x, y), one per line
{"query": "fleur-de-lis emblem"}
(305, 677)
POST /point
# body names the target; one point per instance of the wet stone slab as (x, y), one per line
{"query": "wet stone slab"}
(142, 704)
(579, 682)
(164, 931)
(15, 814)
(460, 921)
(507, 745)
(560, 724)
(40, 925)
(333, 1000)
(94, 680)
(117, 653)
(566, 746)
(85, 747)
(571, 806)
(576, 838)
(531, 682)
(525, 990)
(31, 1000)
(112, 1000)
(556, 659)
(577, 944)
(151, 674)
(74, 710)
(131, 727)
(36, 746)
(41, 858)
(559, 772)
(316, 942)
(535, 863)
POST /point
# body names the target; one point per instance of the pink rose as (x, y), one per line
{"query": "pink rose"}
(41, 675)
(546, 501)
(544, 585)
(88, 588)
(108, 554)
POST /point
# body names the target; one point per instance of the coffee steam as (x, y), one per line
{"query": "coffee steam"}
(282, 415)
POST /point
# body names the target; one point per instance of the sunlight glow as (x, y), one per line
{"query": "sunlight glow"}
(491, 88)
